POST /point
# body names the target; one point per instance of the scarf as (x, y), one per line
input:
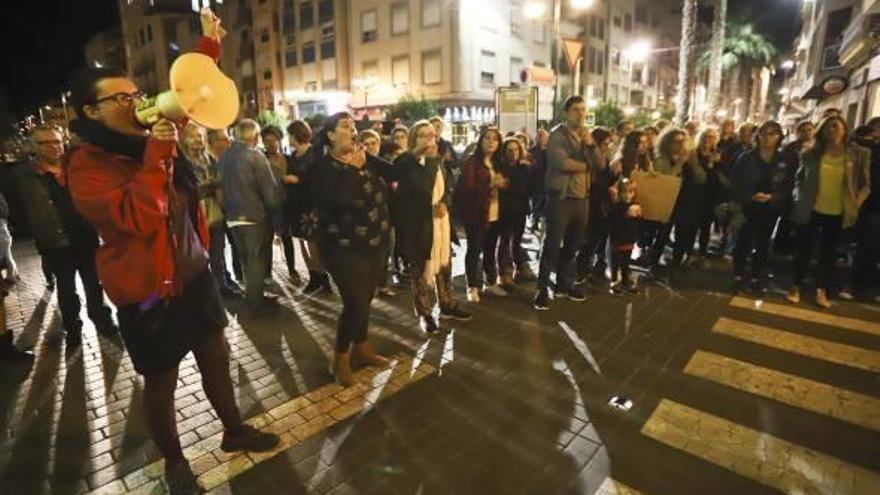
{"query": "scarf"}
(441, 247)
(133, 147)
(107, 139)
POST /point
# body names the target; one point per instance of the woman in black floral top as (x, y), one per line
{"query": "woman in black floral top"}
(353, 227)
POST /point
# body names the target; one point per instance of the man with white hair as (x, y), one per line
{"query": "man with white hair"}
(251, 196)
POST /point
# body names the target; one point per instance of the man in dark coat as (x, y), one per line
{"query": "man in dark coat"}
(66, 241)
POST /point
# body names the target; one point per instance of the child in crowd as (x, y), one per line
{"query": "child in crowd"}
(624, 220)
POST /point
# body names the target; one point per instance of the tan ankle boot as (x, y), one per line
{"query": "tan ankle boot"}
(368, 356)
(342, 369)
(822, 299)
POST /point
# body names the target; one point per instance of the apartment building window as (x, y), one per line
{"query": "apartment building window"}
(601, 28)
(641, 13)
(616, 21)
(637, 75)
(487, 68)
(143, 39)
(288, 18)
(149, 32)
(400, 70)
(276, 21)
(328, 41)
(432, 67)
(515, 25)
(306, 15)
(290, 39)
(369, 27)
(600, 62)
(328, 49)
(308, 55)
(516, 66)
(264, 35)
(325, 11)
(267, 74)
(399, 18)
(627, 22)
(290, 57)
(370, 68)
(652, 76)
(637, 98)
(430, 13)
(594, 26)
(613, 90)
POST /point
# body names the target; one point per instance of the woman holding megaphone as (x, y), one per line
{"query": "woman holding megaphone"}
(154, 261)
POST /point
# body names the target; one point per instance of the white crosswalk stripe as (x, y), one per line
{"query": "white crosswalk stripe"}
(760, 455)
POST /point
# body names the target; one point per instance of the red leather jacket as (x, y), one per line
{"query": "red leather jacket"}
(127, 202)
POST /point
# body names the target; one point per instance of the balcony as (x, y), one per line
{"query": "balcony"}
(859, 38)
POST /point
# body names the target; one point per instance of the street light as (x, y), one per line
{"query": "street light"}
(787, 65)
(639, 51)
(534, 10)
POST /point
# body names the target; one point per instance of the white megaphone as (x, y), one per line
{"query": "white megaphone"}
(199, 91)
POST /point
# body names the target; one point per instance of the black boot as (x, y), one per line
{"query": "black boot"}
(326, 287)
(315, 283)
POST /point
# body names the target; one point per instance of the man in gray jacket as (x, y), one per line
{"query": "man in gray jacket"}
(570, 155)
(251, 196)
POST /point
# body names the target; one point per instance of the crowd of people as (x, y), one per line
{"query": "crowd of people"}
(371, 212)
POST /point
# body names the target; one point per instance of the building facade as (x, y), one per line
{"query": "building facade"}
(630, 51)
(836, 61)
(453, 51)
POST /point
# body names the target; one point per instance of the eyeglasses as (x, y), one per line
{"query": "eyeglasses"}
(123, 99)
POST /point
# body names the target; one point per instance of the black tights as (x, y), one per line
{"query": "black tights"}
(620, 260)
(212, 357)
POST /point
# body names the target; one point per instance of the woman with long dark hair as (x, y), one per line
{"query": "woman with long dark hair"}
(353, 227)
(514, 208)
(832, 182)
(634, 154)
(761, 186)
(477, 206)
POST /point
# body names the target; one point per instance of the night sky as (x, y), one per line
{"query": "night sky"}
(44, 41)
(43, 44)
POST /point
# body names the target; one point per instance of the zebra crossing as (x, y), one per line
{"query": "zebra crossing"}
(762, 456)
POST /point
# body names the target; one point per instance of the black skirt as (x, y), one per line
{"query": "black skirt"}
(158, 338)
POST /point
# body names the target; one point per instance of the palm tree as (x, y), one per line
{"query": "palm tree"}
(688, 37)
(715, 66)
(746, 52)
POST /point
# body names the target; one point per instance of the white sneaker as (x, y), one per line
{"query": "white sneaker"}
(495, 290)
(473, 295)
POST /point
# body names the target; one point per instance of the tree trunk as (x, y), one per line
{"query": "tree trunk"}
(688, 25)
(713, 97)
(734, 91)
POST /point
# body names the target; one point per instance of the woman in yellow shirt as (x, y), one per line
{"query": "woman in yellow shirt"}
(831, 184)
